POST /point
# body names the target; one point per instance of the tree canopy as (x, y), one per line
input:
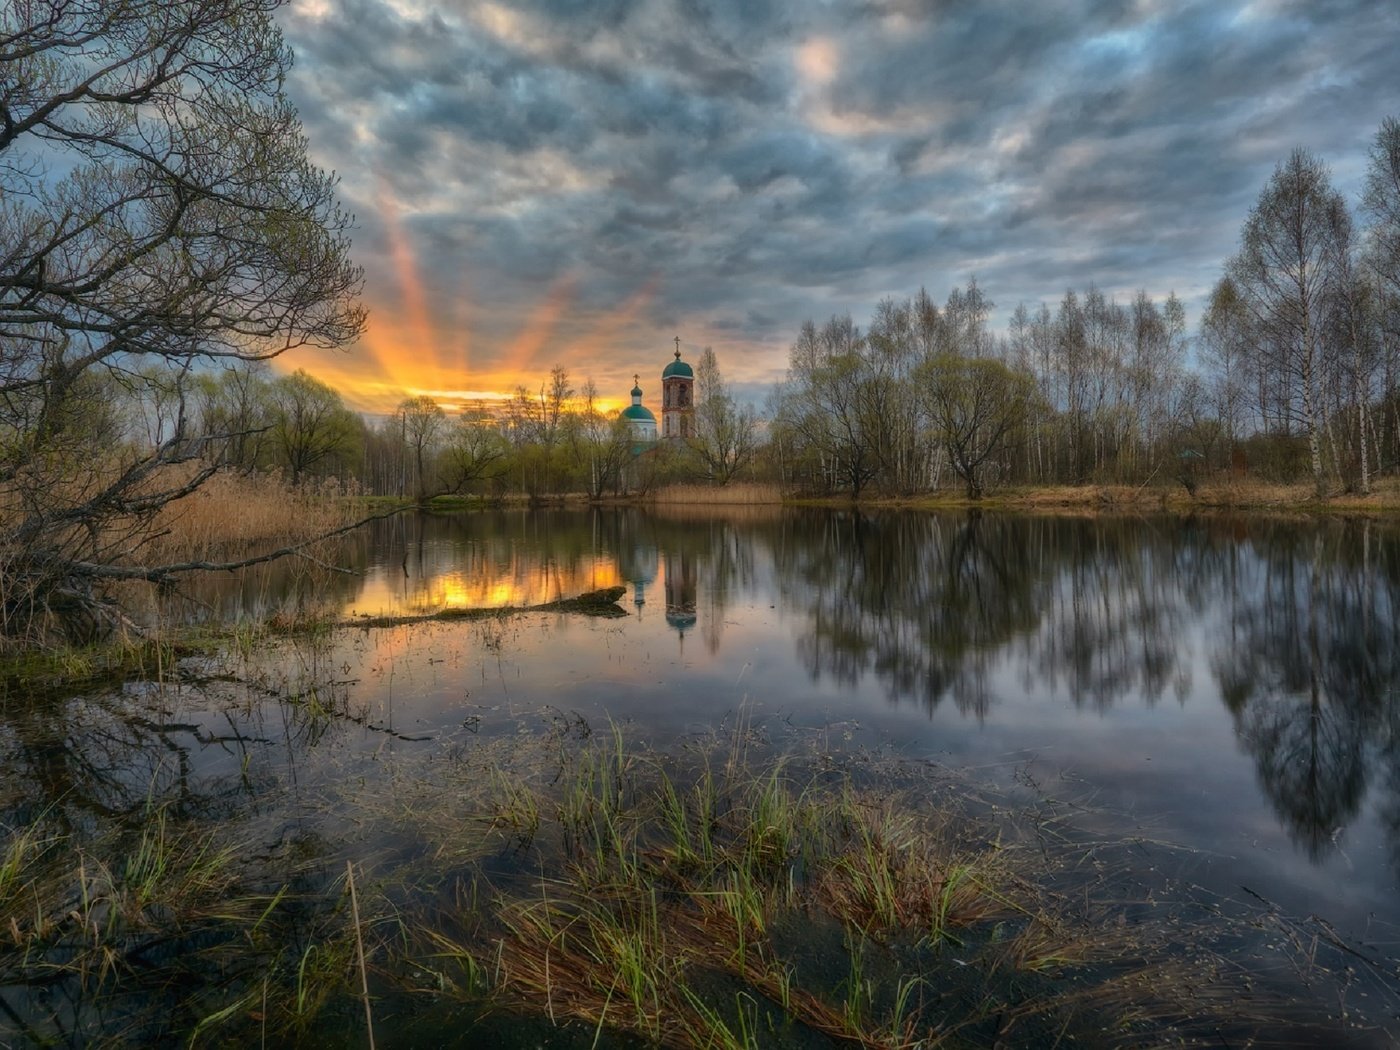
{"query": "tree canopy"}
(157, 205)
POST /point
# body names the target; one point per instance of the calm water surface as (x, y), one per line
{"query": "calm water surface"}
(1231, 686)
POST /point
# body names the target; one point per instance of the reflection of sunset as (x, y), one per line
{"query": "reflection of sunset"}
(486, 585)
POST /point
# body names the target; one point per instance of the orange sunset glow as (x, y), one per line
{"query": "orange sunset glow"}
(407, 352)
(411, 350)
(484, 584)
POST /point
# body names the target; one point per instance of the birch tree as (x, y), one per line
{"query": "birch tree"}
(1285, 270)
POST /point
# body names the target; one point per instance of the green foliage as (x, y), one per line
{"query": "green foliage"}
(978, 407)
(158, 213)
(311, 429)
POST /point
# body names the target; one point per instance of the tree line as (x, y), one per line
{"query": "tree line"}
(554, 439)
(1294, 371)
(1291, 374)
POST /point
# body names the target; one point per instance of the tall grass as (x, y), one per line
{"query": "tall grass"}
(233, 512)
(751, 493)
(696, 905)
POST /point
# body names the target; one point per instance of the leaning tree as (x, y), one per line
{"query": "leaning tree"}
(157, 207)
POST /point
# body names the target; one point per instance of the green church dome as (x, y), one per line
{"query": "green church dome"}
(678, 368)
(640, 412)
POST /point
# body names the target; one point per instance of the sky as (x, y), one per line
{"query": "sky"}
(578, 182)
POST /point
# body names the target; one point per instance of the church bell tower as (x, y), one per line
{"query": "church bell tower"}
(678, 399)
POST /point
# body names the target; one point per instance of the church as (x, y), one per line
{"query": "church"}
(677, 404)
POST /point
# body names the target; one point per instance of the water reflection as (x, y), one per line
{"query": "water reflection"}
(1310, 672)
(1289, 628)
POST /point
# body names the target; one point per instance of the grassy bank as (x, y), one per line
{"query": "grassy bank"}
(730, 896)
(1261, 497)
(730, 890)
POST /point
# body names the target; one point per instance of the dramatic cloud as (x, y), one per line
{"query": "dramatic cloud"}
(575, 181)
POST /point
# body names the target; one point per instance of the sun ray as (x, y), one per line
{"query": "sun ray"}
(525, 349)
(604, 332)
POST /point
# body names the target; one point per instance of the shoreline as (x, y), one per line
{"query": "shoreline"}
(1261, 498)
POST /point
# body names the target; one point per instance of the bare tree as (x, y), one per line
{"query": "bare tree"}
(602, 443)
(554, 399)
(726, 436)
(1382, 202)
(1381, 205)
(1225, 340)
(156, 205)
(1285, 271)
(421, 421)
(830, 405)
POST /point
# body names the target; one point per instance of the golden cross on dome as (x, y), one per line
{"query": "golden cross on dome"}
(678, 348)
(636, 379)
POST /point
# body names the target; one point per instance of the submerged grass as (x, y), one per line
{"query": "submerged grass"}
(717, 894)
(728, 901)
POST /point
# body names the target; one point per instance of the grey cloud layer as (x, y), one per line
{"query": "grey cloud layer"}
(1037, 145)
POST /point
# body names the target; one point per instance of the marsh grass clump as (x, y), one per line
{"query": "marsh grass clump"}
(84, 920)
(168, 932)
(727, 901)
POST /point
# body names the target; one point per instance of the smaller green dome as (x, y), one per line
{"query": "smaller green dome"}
(640, 412)
(678, 368)
(636, 391)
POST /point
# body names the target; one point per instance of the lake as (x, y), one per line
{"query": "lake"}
(1225, 688)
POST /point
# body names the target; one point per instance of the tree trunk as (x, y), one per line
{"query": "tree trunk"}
(1310, 414)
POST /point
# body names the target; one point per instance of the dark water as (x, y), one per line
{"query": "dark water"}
(1232, 683)
(1230, 686)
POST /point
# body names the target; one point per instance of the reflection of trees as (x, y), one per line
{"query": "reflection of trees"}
(921, 601)
(1116, 610)
(1299, 620)
(292, 586)
(1311, 668)
(709, 558)
(116, 753)
(426, 561)
(136, 860)
(1302, 629)
(1390, 792)
(931, 603)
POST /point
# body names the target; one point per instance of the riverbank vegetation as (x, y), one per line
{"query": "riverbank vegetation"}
(732, 890)
(160, 218)
(1291, 377)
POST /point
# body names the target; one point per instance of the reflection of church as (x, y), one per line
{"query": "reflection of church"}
(680, 590)
(679, 579)
(641, 558)
(677, 404)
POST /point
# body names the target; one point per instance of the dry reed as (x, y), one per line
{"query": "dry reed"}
(231, 513)
(743, 493)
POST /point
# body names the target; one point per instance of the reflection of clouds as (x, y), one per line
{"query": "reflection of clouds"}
(483, 582)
